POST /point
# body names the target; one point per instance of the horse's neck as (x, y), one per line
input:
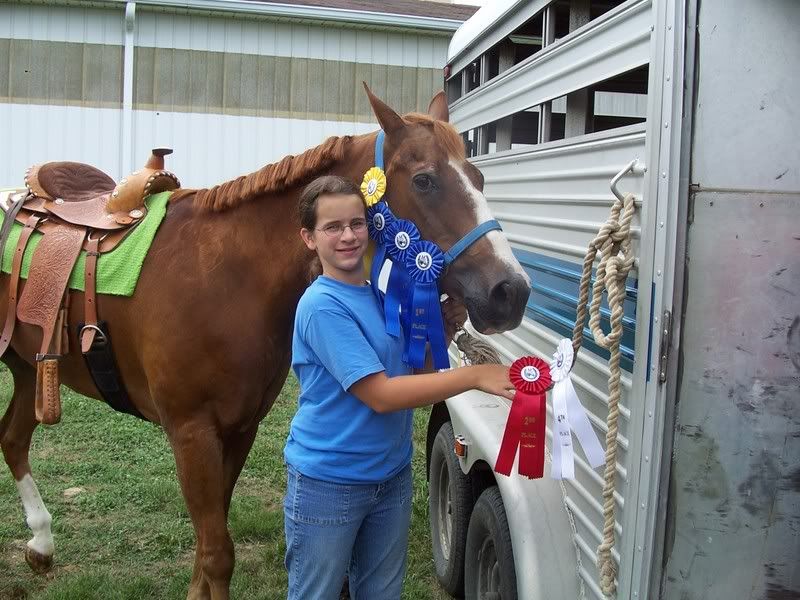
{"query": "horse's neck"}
(268, 228)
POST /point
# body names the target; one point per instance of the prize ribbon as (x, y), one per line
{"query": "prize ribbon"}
(525, 427)
(424, 262)
(569, 415)
(398, 238)
(379, 217)
(373, 186)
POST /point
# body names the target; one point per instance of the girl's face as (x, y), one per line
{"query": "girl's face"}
(340, 237)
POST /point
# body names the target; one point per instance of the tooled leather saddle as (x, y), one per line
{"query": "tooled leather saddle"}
(76, 207)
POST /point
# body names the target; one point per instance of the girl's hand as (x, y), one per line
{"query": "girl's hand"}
(494, 379)
(455, 315)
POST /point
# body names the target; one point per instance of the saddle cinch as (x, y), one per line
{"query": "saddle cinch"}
(76, 207)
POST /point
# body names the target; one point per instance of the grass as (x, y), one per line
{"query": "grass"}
(127, 535)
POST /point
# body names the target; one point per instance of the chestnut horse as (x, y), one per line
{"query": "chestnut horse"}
(204, 344)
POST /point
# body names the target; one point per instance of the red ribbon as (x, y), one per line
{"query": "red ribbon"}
(526, 421)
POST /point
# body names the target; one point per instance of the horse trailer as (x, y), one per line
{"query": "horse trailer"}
(691, 107)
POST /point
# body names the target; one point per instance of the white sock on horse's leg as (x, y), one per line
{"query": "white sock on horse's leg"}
(37, 516)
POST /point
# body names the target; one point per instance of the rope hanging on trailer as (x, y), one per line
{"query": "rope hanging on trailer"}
(613, 242)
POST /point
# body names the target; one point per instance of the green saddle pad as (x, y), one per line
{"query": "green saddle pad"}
(118, 270)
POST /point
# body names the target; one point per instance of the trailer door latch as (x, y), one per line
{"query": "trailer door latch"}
(666, 335)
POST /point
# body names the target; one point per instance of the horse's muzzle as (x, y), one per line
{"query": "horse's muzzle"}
(503, 308)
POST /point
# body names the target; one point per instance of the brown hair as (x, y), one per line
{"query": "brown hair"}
(327, 184)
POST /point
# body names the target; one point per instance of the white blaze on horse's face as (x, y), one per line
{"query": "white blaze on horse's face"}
(37, 516)
(480, 207)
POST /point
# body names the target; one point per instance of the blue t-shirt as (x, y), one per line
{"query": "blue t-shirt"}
(339, 338)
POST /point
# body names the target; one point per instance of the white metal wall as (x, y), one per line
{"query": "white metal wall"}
(211, 145)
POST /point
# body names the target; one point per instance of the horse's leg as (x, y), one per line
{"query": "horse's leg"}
(198, 449)
(237, 447)
(16, 429)
(235, 451)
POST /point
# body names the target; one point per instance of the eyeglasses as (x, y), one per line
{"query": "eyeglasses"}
(337, 229)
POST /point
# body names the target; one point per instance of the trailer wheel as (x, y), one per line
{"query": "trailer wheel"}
(489, 560)
(450, 503)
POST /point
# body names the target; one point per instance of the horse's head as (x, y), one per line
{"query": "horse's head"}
(431, 183)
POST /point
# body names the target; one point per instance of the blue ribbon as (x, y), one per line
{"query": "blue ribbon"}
(424, 262)
(397, 290)
(375, 270)
(398, 238)
(379, 217)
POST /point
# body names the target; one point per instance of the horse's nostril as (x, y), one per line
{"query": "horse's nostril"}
(501, 294)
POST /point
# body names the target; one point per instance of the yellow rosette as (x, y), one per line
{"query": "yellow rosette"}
(374, 185)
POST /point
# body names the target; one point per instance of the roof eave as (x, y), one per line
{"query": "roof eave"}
(294, 11)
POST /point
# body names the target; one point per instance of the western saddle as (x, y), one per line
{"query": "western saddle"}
(76, 207)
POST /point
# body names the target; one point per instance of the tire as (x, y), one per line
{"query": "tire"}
(450, 502)
(489, 559)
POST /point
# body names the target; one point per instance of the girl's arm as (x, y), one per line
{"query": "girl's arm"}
(387, 394)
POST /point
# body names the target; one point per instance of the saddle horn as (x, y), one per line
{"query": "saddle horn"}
(156, 160)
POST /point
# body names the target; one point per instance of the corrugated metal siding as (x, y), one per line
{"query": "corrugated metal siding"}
(38, 133)
(82, 25)
(212, 148)
(60, 73)
(292, 40)
(274, 86)
(229, 94)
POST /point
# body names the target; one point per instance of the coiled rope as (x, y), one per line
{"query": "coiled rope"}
(613, 243)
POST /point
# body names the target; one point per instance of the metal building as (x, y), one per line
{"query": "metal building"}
(231, 85)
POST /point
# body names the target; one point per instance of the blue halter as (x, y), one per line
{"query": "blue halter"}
(411, 302)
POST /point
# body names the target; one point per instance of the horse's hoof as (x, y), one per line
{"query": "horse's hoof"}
(39, 563)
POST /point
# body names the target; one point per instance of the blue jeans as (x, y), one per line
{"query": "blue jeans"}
(333, 529)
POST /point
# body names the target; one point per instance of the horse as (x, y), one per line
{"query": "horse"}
(204, 344)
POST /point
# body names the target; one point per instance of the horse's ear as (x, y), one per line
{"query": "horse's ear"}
(438, 107)
(389, 120)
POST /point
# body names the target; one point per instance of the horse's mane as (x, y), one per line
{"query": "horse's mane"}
(293, 170)
(276, 177)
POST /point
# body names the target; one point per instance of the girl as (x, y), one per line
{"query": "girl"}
(348, 501)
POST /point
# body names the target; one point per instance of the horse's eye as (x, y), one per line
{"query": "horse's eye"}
(424, 183)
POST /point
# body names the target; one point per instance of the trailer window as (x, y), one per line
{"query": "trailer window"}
(615, 102)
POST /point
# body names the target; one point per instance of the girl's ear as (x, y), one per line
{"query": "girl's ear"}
(308, 238)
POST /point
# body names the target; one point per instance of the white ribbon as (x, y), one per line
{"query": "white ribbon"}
(569, 414)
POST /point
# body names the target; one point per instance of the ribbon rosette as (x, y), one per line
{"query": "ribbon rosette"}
(373, 186)
(424, 262)
(525, 427)
(398, 238)
(569, 415)
(379, 218)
